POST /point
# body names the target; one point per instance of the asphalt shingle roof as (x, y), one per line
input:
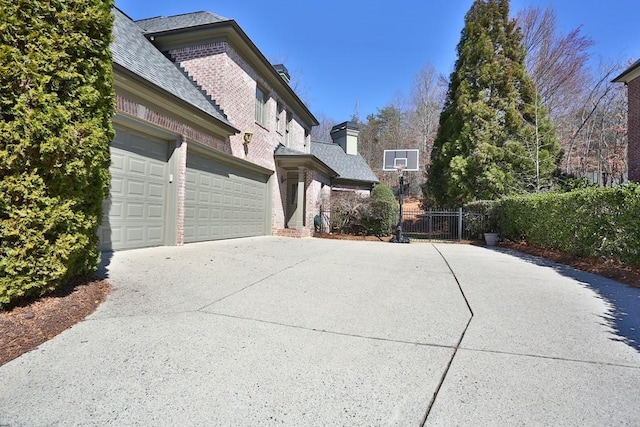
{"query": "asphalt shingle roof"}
(131, 50)
(348, 167)
(281, 150)
(161, 24)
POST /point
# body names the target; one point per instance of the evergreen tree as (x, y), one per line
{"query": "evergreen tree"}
(494, 137)
(56, 105)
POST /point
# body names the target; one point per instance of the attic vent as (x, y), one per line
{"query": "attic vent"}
(284, 73)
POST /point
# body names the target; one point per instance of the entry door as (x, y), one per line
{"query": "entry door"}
(292, 197)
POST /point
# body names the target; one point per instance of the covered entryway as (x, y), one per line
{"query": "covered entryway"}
(223, 200)
(134, 213)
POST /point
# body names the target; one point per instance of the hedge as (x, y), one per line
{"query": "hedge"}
(56, 105)
(591, 222)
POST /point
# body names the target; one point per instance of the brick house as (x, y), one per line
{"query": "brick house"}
(631, 78)
(201, 121)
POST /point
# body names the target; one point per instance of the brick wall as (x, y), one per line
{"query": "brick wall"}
(634, 130)
(231, 82)
(132, 108)
(318, 195)
(182, 183)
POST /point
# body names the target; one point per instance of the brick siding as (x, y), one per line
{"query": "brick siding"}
(132, 108)
(182, 184)
(225, 76)
(633, 147)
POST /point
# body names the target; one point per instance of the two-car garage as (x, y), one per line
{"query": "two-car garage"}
(222, 198)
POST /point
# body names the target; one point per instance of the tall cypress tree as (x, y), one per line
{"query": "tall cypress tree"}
(56, 106)
(494, 137)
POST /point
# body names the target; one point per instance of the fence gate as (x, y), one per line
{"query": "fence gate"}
(434, 224)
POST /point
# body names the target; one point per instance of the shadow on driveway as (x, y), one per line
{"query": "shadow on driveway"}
(623, 300)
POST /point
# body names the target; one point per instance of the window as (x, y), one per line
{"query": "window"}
(287, 131)
(261, 106)
(279, 110)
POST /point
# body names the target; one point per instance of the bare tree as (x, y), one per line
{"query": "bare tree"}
(322, 132)
(557, 63)
(588, 111)
(427, 98)
(405, 123)
(598, 128)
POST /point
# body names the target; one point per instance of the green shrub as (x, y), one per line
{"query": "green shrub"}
(590, 222)
(373, 215)
(384, 212)
(480, 217)
(56, 104)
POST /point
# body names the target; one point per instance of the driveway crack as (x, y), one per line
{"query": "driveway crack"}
(555, 358)
(253, 284)
(456, 347)
(326, 331)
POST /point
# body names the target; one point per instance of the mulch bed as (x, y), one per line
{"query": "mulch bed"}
(612, 269)
(33, 322)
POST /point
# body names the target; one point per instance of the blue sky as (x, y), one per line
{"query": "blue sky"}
(367, 52)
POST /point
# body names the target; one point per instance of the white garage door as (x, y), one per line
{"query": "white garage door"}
(222, 201)
(133, 216)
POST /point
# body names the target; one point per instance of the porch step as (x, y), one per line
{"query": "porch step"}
(292, 232)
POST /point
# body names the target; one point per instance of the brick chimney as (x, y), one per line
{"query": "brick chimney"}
(346, 136)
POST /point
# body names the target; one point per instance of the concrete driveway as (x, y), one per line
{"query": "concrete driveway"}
(270, 331)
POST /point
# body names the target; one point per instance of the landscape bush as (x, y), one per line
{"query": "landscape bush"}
(376, 214)
(590, 222)
(56, 105)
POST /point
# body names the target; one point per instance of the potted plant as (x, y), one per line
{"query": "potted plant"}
(491, 235)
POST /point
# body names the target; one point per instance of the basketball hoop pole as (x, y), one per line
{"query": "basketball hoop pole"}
(400, 160)
(399, 238)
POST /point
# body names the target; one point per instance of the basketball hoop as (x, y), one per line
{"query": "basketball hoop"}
(405, 159)
(400, 161)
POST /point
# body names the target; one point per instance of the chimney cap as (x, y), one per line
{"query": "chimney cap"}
(344, 126)
(282, 70)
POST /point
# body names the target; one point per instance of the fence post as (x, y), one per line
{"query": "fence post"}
(460, 223)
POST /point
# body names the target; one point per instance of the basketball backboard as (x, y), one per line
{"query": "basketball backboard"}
(405, 160)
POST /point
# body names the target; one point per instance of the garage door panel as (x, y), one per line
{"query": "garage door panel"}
(117, 185)
(137, 167)
(155, 211)
(203, 214)
(157, 170)
(222, 201)
(155, 234)
(134, 214)
(205, 197)
(155, 191)
(117, 162)
(135, 188)
(135, 235)
(134, 210)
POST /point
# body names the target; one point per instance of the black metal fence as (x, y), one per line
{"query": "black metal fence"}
(432, 224)
(425, 225)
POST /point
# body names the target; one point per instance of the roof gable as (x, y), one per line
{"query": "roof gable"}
(132, 51)
(167, 33)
